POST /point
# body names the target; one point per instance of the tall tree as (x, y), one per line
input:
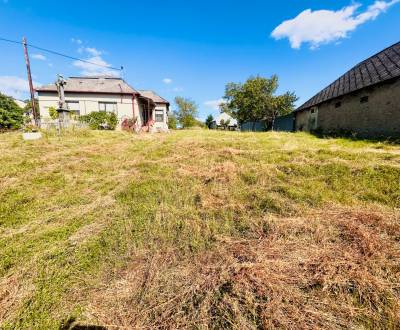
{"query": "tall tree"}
(172, 121)
(209, 120)
(255, 100)
(11, 115)
(186, 113)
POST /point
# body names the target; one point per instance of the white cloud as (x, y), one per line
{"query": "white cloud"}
(97, 66)
(167, 81)
(76, 41)
(177, 89)
(15, 86)
(325, 26)
(214, 104)
(39, 57)
(93, 51)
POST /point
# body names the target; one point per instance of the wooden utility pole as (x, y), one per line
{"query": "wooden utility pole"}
(31, 89)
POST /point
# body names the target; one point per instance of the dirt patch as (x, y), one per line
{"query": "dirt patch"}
(13, 289)
(326, 270)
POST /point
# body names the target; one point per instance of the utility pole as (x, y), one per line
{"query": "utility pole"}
(32, 91)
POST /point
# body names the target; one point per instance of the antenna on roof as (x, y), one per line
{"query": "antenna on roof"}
(122, 73)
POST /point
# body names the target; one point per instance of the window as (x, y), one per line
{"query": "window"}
(159, 116)
(108, 106)
(338, 104)
(73, 106)
(364, 99)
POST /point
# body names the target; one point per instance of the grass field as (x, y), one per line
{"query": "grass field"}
(199, 229)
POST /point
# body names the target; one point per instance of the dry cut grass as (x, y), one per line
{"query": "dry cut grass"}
(197, 229)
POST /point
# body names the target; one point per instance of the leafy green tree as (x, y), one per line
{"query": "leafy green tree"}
(209, 120)
(11, 115)
(200, 123)
(172, 121)
(186, 113)
(256, 100)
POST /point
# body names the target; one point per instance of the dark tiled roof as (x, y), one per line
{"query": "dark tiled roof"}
(153, 96)
(381, 67)
(102, 85)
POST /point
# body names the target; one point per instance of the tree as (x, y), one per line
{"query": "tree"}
(209, 120)
(186, 113)
(11, 115)
(172, 121)
(256, 100)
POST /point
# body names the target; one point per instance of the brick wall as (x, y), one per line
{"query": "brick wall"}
(379, 116)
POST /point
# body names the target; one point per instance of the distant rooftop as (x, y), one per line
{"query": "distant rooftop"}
(379, 68)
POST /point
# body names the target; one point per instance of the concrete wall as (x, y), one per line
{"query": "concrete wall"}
(380, 116)
(161, 126)
(88, 103)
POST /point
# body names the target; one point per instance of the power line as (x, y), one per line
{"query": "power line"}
(61, 54)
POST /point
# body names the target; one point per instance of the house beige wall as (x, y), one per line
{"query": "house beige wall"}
(163, 126)
(89, 103)
(380, 116)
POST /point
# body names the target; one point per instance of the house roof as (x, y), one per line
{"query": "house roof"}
(153, 96)
(101, 85)
(381, 67)
(224, 116)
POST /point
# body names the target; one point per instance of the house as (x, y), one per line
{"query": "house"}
(364, 101)
(224, 121)
(84, 95)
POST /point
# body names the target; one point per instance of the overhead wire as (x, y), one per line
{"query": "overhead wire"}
(61, 54)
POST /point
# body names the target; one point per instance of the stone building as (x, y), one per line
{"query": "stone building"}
(365, 101)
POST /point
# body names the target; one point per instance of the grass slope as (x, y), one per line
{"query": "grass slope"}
(199, 229)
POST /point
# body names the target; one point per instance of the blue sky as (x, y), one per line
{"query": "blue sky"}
(193, 48)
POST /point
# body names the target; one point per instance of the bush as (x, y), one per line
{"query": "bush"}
(11, 115)
(100, 120)
(53, 113)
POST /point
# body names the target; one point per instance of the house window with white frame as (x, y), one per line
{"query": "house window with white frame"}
(159, 115)
(108, 107)
(73, 107)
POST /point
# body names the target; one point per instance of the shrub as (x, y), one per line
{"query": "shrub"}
(100, 120)
(11, 115)
(53, 113)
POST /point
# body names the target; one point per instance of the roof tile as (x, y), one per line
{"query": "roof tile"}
(381, 67)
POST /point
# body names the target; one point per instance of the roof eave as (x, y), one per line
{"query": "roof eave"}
(87, 92)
